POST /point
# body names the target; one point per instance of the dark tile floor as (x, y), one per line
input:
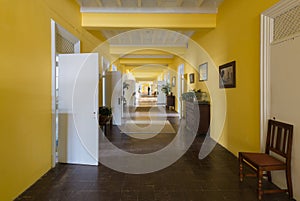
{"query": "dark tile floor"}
(214, 178)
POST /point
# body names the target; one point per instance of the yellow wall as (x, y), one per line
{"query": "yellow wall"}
(154, 20)
(237, 37)
(25, 83)
(25, 80)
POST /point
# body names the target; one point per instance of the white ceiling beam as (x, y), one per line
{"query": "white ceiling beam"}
(165, 38)
(145, 10)
(158, 2)
(153, 50)
(199, 2)
(143, 61)
(179, 3)
(154, 37)
(99, 2)
(119, 2)
(139, 3)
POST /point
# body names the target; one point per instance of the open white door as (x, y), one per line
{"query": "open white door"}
(78, 109)
(161, 96)
(113, 94)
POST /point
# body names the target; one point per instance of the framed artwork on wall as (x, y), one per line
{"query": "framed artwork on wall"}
(227, 75)
(203, 70)
(173, 81)
(191, 76)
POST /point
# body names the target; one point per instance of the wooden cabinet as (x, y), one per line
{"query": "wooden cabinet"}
(198, 116)
(171, 102)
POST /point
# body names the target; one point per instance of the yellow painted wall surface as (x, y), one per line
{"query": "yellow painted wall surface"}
(237, 37)
(25, 87)
(156, 20)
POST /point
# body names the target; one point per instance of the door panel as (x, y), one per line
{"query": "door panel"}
(285, 97)
(78, 109)
(113, 94)
(161, 96)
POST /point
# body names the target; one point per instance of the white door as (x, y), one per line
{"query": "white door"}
(285, 98)
(161, 96)
(113, 94)
(129, 93)
(78, 109)
(180, 89)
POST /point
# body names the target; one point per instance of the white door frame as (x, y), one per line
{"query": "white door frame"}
(57, 29)
(180, 73)
(267, 24)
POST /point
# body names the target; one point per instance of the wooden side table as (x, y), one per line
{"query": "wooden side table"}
(103, 121)
(170, 102)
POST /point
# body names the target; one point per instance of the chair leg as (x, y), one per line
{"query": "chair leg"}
(241, 166)
(259, 183)
(289, 182)
(269, 176)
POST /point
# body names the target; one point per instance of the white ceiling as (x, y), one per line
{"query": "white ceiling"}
(148, 72)
(150, 6)
(148, 38)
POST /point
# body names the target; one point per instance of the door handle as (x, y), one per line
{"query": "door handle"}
(119, 101)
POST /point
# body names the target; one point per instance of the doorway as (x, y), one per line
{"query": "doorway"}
(279, 69)
(62, 42)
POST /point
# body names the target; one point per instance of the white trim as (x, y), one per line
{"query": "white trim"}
(180, 72)
(56, 28)
(65, 34)
(148, 10)
(290, 37)
(53, 109)
(77, 47)
(266, 39)
(267, 24)
(281, 7)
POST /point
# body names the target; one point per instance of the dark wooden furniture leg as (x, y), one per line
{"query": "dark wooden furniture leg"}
(241, 167)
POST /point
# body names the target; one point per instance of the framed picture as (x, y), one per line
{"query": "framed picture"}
(203, 72)
(227, 75)
(173, 81)
(191, 76)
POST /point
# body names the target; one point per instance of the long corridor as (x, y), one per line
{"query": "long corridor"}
(214, 178)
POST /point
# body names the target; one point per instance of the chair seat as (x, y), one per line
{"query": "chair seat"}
(262, 159)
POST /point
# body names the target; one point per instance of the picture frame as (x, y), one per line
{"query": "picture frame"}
(227, 77)
(203, 72)
(173, 81)
(192, 76)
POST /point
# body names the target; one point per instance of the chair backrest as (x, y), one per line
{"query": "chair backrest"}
(279, 139)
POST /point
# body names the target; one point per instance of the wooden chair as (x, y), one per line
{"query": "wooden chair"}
(279, 142)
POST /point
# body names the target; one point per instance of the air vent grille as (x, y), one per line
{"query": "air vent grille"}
(287, 24)
(63, 46)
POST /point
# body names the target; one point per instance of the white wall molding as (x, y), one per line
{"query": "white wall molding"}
(266, 39)
(281, 7)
